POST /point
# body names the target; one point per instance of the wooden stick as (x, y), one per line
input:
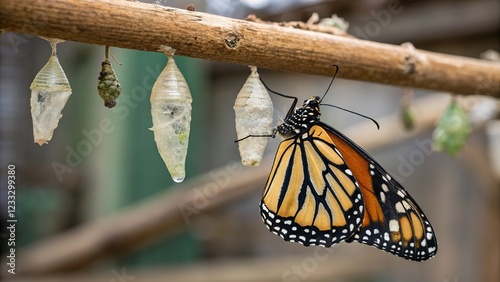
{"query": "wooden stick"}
(337, 264)
(166, 214)
(142, 26)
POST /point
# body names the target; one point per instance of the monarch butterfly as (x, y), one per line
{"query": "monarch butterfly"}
(324, 189)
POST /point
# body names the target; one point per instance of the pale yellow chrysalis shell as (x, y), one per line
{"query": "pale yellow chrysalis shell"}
(253, 109)
(50, 91)
(171, 111)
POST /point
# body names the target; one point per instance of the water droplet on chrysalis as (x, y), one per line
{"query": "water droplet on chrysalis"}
(178, 179)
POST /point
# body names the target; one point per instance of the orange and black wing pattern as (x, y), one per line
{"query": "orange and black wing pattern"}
(392, 220)
(311, 196)
(324, 189)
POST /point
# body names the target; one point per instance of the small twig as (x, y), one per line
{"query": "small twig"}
(309, 25)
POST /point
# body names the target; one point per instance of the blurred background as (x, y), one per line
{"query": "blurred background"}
(111, 212)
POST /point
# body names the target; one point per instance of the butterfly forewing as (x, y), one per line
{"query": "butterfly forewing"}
(392, 221)
(311, 195)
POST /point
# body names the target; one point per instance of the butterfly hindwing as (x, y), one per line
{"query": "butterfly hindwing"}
(311, 195)
(392, 221)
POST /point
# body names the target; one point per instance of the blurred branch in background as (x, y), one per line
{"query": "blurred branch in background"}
(200, 35)
(316, 267)
(168, 213)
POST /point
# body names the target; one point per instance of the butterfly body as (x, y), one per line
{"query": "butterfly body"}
(300, 119)
(324, 189)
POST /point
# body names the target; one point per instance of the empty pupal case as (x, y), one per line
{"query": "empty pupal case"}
(253, 110)
(50, 91)
(171, 112)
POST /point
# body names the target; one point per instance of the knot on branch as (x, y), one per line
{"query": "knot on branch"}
(231, 39)
(415, 62)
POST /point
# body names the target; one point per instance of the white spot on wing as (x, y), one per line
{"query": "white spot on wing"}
(401, 193)
(406, 205)
(393, 225)
(386, 236)
(382, 197)
(385, 188)
(400, 208)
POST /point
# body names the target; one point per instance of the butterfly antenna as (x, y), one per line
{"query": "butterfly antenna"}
(331, 82)
(358, 114)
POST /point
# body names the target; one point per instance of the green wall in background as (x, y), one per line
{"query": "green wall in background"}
(141, 172)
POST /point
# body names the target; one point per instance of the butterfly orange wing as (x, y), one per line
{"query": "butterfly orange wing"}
(392, 220)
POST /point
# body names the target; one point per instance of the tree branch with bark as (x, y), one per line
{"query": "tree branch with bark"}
(142, 26)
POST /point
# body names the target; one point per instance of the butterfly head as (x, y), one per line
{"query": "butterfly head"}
(311, 105)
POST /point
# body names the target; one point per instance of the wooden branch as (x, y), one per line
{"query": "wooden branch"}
(339, 265)
(141, 26)
(168, 213)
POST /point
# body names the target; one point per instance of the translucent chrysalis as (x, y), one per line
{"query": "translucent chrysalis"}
(171, 111)
(50, 91)
(253, 110)
(108, 86)
(452, 130)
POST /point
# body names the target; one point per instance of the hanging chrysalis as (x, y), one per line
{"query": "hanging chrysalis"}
(253, 109)
(171, 111)
(108, 86)
(452, 130)
(50, 91)
(407, 112)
